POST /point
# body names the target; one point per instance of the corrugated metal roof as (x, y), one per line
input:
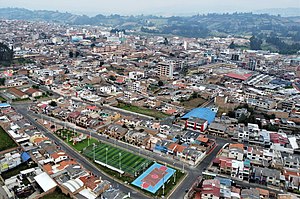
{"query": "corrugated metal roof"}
(202, 113)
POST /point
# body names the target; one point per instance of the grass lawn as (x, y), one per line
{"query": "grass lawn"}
(16, 170)
(130, 163)
(79, 146)
(57, 194)
(5, 141)
(193, 103)
(144, 111)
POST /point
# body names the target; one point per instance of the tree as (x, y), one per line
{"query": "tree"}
(71, 54)
(243, 119)
(160, 83)
(77, 54)
(232, 45)
(231, 114)
(2, 81)
(35, 86)
(194, 95)
(53, 103)
(112, 78)
(255, 43)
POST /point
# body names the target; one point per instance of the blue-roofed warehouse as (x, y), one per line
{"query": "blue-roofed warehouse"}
(201, 113)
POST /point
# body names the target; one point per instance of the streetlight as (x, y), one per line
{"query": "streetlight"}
(94, 151)
(174, 176)
(163, 184)
(106, 155)
(89, 138)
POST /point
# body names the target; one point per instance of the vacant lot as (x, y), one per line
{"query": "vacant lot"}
(141, 110)
(193, 103)
(5, 141)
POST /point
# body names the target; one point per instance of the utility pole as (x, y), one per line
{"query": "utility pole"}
(163, 184)
(94, 151)
(106, 155)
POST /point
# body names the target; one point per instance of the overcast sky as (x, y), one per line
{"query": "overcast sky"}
(164, 7)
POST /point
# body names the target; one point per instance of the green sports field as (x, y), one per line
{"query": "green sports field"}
(130, 163)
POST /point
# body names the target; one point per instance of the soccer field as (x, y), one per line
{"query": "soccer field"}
(130, 163)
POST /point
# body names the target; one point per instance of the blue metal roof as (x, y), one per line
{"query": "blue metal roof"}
(25, 156)
(224, 181)
(202, 113)
(4, 105)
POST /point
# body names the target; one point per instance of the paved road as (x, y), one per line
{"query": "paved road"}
(192, 172)
(86, 164)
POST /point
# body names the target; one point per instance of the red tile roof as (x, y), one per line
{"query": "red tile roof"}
(90, 181)
(58, 154)
(180, 148)
(39, 140)
(16, 92)
(211, 187)
(44, 106)
(239, 146)
(74, 114)
(202, 139)
(48, 168)
(66, 163)
(238, 76)
(92, 107)
(30, 91)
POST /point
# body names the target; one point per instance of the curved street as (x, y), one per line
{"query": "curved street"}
(192, 172)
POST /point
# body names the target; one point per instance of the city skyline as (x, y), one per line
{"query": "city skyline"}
(156, 7)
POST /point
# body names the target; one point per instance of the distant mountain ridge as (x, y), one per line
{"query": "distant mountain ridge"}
(284, 12)
(188, 26)
(43, 15)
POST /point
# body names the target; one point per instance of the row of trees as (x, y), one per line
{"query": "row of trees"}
(283, 47)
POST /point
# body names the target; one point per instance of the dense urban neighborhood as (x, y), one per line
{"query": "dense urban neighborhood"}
(90, 111)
